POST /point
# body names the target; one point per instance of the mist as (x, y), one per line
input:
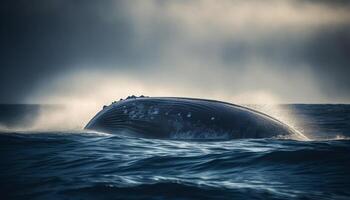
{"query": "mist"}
(292, 50)
(244, 52)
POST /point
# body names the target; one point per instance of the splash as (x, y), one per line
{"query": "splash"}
(205, 135)
(64, 117)
(269, 104)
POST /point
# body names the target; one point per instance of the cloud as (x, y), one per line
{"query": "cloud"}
(295, 50)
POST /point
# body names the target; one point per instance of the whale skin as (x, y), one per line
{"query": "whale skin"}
(187, 118)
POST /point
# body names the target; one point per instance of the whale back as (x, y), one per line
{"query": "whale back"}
(172, 117)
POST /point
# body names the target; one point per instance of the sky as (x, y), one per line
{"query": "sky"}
(249, 51)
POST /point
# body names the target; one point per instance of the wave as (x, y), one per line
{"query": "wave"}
(169, 190)
(84, 165)
(80, 164)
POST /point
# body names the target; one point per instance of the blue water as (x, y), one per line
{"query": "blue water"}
(87, 165)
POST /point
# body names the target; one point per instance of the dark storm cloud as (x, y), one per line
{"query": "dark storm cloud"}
(333, 3)
(44, 38)
(326, 53)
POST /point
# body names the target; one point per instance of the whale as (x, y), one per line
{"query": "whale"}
(187, 118)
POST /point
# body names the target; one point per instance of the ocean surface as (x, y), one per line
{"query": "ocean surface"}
(79, 164)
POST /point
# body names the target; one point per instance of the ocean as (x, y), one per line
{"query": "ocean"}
(80, 164)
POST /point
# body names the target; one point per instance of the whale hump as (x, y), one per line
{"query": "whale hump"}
(187, 118)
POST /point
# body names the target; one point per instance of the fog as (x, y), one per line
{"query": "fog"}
(238, 51)
(89, 54)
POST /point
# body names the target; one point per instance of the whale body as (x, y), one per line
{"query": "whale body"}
(187, 118)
